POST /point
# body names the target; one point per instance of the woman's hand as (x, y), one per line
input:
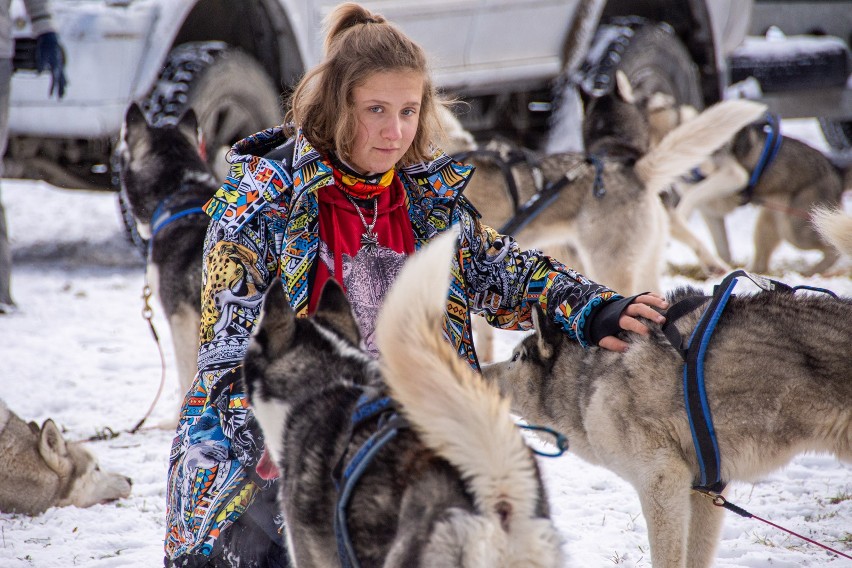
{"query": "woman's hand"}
(641, 307)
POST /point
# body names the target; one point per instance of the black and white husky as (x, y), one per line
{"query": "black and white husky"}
(165, 183)
(454, 484)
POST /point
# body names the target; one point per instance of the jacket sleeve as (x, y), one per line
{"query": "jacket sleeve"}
(504, 281)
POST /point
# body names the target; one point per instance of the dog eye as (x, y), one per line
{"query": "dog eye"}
(516, 355)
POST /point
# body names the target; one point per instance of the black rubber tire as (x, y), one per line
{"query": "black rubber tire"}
(837, 133)
(656, 60)
(230, 92)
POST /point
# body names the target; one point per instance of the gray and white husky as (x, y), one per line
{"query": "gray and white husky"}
(39, 469)
(777, 375)
(164, 182)
(457, 487)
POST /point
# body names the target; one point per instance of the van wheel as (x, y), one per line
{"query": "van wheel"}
(837, 133)
(654, 60)
(230, 92)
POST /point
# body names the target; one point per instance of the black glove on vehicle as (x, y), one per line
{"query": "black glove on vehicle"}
(50, 56)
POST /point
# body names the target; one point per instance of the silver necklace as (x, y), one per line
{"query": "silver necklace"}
(369, 239)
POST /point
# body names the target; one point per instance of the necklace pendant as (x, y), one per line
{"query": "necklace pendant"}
(369, 240)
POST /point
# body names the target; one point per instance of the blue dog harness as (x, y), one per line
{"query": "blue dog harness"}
(167, 212)
(372, 406)
(695, 396)
(767, 155)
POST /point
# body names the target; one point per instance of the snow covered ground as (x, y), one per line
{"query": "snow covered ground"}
(80, 352)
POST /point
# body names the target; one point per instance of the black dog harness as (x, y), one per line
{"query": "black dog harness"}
(544, 196)
(695, 396)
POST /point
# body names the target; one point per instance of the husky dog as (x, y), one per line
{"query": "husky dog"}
(456, 486)
(39, 469)
(165, 182)
(610, 211)
(777, 374)
(798, 178)
(608, 222)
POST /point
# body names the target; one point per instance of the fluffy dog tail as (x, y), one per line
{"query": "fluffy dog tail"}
(835, 228)
(694, 141)
(460, 416)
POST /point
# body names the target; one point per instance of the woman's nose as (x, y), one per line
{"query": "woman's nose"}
(392, 129)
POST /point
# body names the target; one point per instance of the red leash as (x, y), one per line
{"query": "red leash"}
(720, 501)
(782, 209)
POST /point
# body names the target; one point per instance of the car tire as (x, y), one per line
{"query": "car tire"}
(231, 93)
(838, 134)
(654, 60)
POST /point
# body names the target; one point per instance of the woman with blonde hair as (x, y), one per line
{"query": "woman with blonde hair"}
(347, 189)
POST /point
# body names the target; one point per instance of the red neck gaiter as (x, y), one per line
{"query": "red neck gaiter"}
(341, 228)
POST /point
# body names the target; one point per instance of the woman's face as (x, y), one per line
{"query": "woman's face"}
(387, 108)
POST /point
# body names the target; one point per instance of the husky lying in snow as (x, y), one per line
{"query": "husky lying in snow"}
(39, 469)
(457, 487)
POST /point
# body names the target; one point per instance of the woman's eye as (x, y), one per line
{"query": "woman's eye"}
(375, 109)
(409, 112)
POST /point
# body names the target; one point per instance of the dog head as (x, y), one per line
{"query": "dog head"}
(529, 371)
(154, 160)
(289, 359)
(82, 482)
(614, 125)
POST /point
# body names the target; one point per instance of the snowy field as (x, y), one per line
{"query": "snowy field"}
(80, 352)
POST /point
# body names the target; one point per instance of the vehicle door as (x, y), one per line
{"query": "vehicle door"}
(441, 27)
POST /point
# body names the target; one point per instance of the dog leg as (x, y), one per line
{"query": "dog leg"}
(664, 495)
(184, 326)
(726, 181)
(829, 257)
(716, 225)
(705, 525)
(766, 240)
(710, 262)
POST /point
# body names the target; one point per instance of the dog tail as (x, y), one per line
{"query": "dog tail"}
(456, 413)
(694, 141)
(835, 228)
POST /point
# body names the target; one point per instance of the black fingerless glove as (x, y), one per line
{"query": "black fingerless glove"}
(604, 321)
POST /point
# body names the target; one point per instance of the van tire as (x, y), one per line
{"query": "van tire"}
(230, 92)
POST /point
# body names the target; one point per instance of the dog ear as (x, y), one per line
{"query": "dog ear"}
(188, 126)
(334, 309)
(623, 87)
(53, 450)
(277, 323)
(548, 334)
(135, 124)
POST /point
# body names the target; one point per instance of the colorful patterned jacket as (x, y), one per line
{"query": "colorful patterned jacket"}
(265, 224)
